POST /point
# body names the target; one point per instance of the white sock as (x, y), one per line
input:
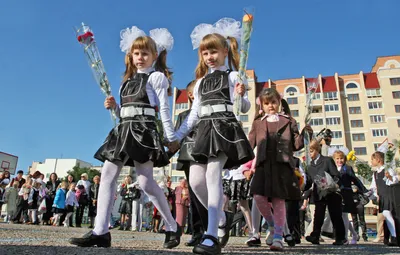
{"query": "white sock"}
(346, 223)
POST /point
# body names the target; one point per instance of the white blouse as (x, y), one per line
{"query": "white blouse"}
(190, 121)
(71, 199)
(157, 91)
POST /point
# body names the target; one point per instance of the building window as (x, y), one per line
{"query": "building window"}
(173, 166)
(333, 121)
(358, 137)
(351, 86)
(317, 96)
(291, 90)
(360, 150)
(298, 125)
(356, 123)
(330, 95)
(376, 146)
(176, 117)
(317, 122)
(175, 179)
(374, 93)
(331, 107)
(182, 106)
(246, 130)
(353, 97)
(396, 94)
(398, 122)
(355, 110)
(295, 113)
(292, 100)
(379, 132)
(397, 108)
(375, 105)
(394, 81)
(377, 118)
(337, 134)
(244, 118)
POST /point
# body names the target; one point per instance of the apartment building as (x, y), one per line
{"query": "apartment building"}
(361, 109)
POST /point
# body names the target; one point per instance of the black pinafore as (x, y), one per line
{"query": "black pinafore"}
(383, 191)
(137, 138)
(220, 131)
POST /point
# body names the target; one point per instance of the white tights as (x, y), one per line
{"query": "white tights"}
(108, 186)
(206, 183)
(348, 226)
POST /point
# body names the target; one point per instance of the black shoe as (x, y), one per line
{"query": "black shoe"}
(328, 234)
(121, 228)
(289, 240)
(393, 241)
(89, 226)
(312, 239)
(340, 242)
(194, 241)
(254, 242)
(89, 240)
(224, 239)
(365, 238)
(173, 239)
(208, 250)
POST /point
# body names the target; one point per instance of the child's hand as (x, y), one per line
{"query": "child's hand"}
(174, 146)
(387, 174)
(248, 174)
(110, 103)
(240, 89)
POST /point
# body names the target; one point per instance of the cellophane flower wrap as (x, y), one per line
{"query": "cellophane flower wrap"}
(325, 184)
(311, 89)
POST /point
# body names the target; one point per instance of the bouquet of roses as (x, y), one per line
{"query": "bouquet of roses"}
(325, 184)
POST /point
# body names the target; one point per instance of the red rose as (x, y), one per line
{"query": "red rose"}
(156, 108)
(86, 38)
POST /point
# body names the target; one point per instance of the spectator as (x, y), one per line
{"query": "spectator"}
(19, 179)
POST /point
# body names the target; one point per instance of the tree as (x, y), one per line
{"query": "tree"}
(77, 171)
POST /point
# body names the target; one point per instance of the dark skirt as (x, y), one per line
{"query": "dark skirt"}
(237, 190)
(221, 132)
(70, 208)
(125, 207)
(385, 204)
(185, 153)
(137, 140)
(348, 201)
(58, 210)
(275, 180)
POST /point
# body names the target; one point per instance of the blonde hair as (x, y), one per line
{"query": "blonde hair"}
(147, 43)
(341, 154)
(217, 41)
(63, 185)
(71, 184)
(314, 144)
(125, 179)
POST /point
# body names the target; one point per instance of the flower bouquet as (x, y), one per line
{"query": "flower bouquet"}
(85, 37)
(311, 88)
(247, 28)
(325, 184)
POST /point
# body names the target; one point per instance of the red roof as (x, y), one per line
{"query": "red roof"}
(313, 80)
(371, 81)
(329, 84)
(181, 96)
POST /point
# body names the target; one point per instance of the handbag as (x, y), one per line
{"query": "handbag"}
(364, 200)
(42, 207)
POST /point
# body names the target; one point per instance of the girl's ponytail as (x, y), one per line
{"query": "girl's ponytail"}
(161, 66)
(233, 54)
(202, 68)
(130, 68)
(285, 107)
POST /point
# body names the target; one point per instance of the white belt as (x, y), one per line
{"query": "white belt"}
(207, 110)
(132, 111)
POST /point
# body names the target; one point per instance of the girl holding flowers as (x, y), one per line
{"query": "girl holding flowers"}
(219, 140)
(137, 143)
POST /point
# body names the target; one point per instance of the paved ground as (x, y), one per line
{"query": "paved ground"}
(43, 240)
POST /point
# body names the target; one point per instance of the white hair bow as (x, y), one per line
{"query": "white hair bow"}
(161, 36)
(227, 27)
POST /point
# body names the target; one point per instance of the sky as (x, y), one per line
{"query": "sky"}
(51, 106)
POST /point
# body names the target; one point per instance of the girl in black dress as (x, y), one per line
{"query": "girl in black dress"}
(137, 142)
(348, 177)
(218, 138)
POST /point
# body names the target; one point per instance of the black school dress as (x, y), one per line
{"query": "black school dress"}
(219, 132)
(348, 177)
(385, 202)
(137, 138)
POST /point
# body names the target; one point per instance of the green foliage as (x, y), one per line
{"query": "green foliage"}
(364, 170)
(77, 171)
